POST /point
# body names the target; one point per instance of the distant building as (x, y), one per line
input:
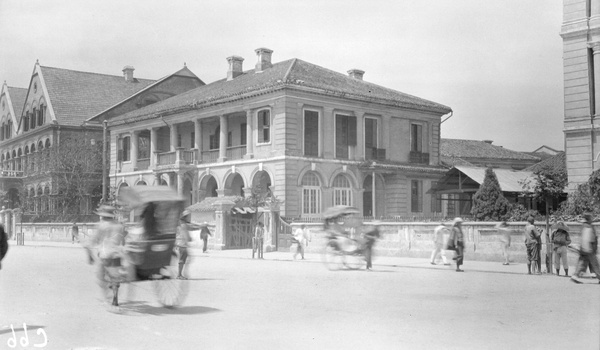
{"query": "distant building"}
(57, 104)
(581, 60)
(483, 154)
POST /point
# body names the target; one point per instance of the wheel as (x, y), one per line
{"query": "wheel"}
(170, 292)
(354, 261)
(333, 257)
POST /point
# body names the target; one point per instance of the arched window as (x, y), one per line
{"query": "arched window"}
(2, 132)
(41, 115)
(9, 129)
(311, 195)
(342, 191)
(32, 119)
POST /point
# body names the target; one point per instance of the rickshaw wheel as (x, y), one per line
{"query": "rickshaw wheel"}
(170, 292)
(333, 257)
(354, 261)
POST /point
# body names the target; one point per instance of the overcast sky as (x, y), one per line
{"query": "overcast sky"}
(497, 64)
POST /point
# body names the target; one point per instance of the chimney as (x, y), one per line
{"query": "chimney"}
(128, 73)
(356, 73)
(264, 59)
(235, 67)
(488, 141)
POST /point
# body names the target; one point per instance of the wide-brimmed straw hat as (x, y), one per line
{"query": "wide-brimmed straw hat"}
(107, 211)
(456, 221)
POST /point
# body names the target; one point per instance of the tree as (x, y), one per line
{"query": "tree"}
(489, 203)
(548, 183)
(75, 165)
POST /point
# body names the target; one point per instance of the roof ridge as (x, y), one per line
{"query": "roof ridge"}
(93, 73)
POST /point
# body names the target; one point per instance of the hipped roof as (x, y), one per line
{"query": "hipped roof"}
(509, 180)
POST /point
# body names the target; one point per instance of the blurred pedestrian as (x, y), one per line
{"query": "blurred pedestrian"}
(74, 233)
(504, 232)
(458, 241)
(532, 239)
(182, 240)
(204, 233)
(301, 239)
(561, 240)
(370, 238)
(259, 235)
(438, 241)
(3, 244)
(589, 248)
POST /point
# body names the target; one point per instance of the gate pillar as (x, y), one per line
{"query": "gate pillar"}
(222, 209)
(271, 220)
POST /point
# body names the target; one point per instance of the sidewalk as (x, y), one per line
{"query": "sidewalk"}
(378, 261)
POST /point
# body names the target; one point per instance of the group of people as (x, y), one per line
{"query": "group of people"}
(560, 238)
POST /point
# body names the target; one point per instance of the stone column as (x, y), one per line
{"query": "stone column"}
(173, 137)
(198, 139)
(249, 136)
(222, 209)
(180, 179)
(360, 135)
(134, 148)
(271, 216)
(223, 139)
(328, 133)
(153, 143)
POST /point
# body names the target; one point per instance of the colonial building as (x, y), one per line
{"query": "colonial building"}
(581, 56)
(483, 154)
(308, 136)
(53, 109)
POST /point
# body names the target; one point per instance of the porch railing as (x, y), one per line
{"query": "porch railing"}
(210, 156)
(236, 152)
(143, 164)
(169, 158)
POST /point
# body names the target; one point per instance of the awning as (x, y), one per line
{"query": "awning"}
(463, 179)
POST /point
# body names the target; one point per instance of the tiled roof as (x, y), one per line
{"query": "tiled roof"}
(557, 162)
(455, 148)
(17, 96)
(76, 96)
(455, 161)
(292, 73)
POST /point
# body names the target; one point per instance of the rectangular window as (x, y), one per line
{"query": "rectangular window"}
(416, 137)
(243, 129)
(229, 139)
(311, 133)
(144, 145)
(371, 138)
(416, 196)
(124, 149)
(193, 140)
(32, 119)
(436, 202)
(342, 196)
(26, 122)
(345, 135)
(178, 140)
(264, 126)
(311, 201)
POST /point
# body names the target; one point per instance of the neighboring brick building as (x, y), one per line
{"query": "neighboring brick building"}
(581, 56)
(310, 136)
(56, 105)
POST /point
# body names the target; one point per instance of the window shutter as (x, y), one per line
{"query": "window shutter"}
(311, 133)
(261, 127)
(352, 134)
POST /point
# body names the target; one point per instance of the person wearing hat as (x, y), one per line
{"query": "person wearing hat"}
(258, 240)
(532, 239)
(370, 237)
(458, 239)
(505, 232)
(589, 248)
(204, 233)
(181, 241)
(560, 240)
(438, 241)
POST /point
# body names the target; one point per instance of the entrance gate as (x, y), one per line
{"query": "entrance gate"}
(240, 232)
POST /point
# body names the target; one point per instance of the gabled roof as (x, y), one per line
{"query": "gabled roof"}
(75, 96)
(546, 149)
(557, 162)
(290, 74)
(185, 72)
(17, 97)
(455, 148)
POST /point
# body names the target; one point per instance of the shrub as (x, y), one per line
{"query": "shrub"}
(489, 203)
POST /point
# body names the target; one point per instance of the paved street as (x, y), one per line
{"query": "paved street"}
(239, 303)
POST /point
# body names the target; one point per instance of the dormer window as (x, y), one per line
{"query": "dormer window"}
(264, 126)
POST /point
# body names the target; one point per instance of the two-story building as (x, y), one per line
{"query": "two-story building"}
(55, 107)
(309, 136)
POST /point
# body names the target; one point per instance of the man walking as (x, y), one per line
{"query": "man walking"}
(458, 239)
(259, 235)
(204, 233)
(438, 241)
(301, 239)
(589, 247)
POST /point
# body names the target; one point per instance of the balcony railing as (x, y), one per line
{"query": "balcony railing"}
(181, 156)
(418, 157)
(143, 164)
(236, 152)
(372, 153)
(210, 156)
